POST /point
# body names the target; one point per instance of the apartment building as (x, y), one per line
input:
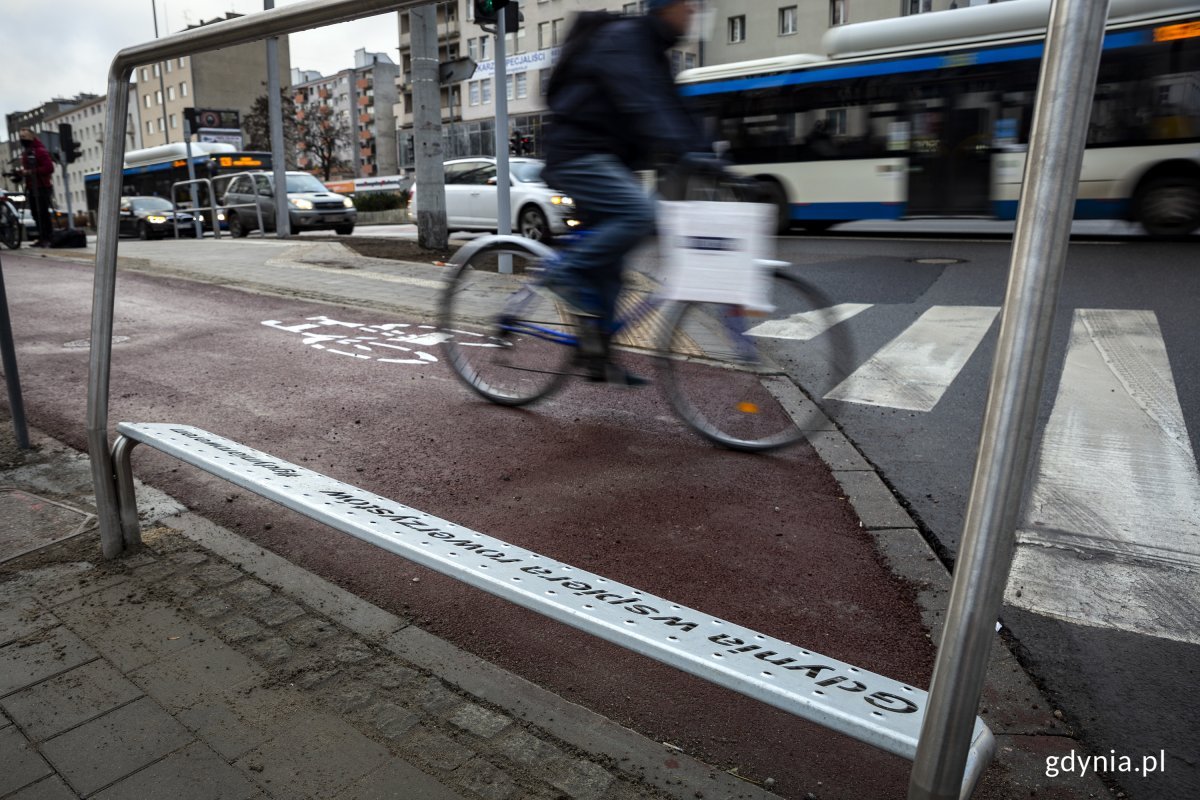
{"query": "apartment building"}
(468, 107)
(231, 78)
(363, 99)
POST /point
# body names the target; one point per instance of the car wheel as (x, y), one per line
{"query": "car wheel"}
(236, 228)
(532, 224)
(344, 230)
(144, 231)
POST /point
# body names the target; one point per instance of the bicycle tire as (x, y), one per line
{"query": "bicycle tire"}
(10, 228)
(510, 344)
(727, 370)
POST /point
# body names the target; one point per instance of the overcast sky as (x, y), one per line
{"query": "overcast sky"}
(61, 48)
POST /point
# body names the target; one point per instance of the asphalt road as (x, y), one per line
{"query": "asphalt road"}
(1122, 474)
(602, 478)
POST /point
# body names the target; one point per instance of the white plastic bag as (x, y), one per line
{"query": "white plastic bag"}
(717, 252)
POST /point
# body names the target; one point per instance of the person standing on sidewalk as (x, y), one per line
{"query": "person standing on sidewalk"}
(37, 168)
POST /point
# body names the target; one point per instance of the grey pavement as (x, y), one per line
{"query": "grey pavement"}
(205, 667)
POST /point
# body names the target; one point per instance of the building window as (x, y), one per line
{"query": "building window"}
(183, 89)
(182, 62)
(485, 91)
(173, 122)
(472, 49)
(787, 20)
(556, 31)
(543, 81)
(156, 71)
(144, 75)
(168, 67)
(483, 48)
(147, 99)
(544, 35)
(158, 97)
(522, 85)
(737, 29)
(837, 12)
(918, 6)
(149, 126)
(170, 92)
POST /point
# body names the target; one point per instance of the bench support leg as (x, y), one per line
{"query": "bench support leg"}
(131, 529)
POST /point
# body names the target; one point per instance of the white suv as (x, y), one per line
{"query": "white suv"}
(538, 212)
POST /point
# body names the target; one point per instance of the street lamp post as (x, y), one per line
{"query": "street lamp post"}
(162, 83)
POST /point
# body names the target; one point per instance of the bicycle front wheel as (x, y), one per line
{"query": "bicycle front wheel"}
(10, 228)
(726, 367)
(509, 342)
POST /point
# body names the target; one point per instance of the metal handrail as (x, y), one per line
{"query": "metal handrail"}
(212, 204)
(228, 33)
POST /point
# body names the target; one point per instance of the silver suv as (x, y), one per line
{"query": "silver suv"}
(311, 206)
(538, 212)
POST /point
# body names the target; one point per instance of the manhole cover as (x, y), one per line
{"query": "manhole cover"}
(938, 261)
(29, 522)
(84, 343)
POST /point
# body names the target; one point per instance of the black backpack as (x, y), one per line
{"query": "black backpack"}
(578, 37)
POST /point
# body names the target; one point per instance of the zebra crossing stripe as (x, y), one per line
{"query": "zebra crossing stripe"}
(1111, 532)
(809, 324)
(914, 370)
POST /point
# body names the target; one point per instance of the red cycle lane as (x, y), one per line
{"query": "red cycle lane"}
(604, 479)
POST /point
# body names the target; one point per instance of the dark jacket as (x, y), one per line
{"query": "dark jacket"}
(36, 165)
(617, 96)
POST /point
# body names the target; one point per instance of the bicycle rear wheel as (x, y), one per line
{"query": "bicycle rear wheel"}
(727, 369)
(510, 343)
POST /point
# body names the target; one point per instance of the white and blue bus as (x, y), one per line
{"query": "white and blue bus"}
(152, 172)
(929, 116)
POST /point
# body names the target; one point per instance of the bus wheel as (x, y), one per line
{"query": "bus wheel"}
(1169, 206)
(236, 229)
(774, 194)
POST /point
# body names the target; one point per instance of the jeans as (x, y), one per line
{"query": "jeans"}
(619, 212)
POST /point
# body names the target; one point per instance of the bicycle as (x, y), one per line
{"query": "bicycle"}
(724, 366)
(11, 229)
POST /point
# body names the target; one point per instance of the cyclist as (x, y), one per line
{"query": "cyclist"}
(614, 109)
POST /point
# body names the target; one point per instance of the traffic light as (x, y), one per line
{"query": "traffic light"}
(487, 12)
(66, 144)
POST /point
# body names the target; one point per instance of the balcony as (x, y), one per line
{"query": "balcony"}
(363, 83)
(365, 100)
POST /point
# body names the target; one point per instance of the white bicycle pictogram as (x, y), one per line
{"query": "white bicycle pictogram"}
(388, 343)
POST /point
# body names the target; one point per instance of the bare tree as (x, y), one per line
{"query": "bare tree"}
(323, 134)
(258, 127)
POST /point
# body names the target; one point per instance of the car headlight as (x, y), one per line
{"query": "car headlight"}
(220, 216)
(302, 204)
(561, 200)
(347, 202)
(156, 219)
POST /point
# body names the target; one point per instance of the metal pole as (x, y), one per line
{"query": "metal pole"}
(8, 357)
(162, 80)
(198, 225)
(1064, 99)
(428, 153)
(283, 221)
(503, 184)
(243, 30)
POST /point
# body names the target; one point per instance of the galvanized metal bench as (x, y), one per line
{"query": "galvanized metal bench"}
(861, 704)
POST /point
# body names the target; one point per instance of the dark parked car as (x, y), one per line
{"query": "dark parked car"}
(153, 218)
(311, 206)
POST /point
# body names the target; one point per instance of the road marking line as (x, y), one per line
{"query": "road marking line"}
(1111, 532)
(914, 370)
(809, 324)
